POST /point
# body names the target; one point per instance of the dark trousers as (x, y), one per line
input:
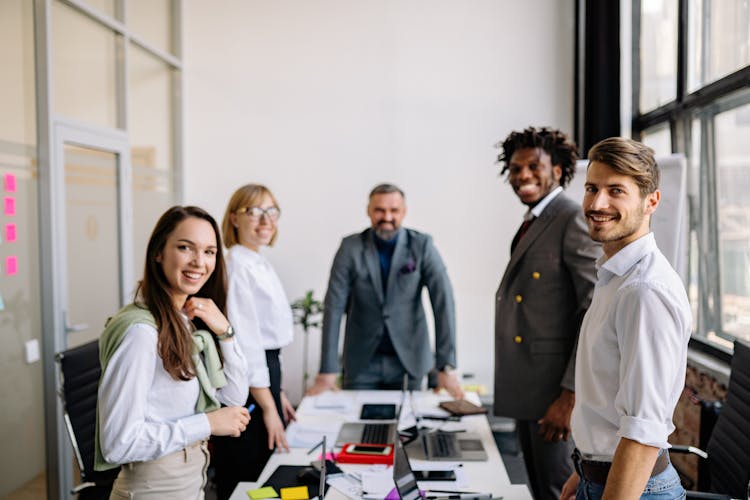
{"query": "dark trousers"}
(243, 458)
(548, 464)
(383, 372)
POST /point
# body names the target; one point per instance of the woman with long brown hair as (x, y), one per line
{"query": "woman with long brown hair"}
(163, 378)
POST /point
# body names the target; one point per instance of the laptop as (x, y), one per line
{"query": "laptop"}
(323, 471)
(403, 476)
(380, 432)
(448, 446)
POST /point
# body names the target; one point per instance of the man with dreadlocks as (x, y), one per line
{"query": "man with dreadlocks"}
(540, 303)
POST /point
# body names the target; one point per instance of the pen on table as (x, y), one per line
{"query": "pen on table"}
(251, 407)
(451, 495)
(458, 496)
(315, 447)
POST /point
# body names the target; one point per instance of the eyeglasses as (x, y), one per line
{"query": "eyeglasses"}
(255, 213)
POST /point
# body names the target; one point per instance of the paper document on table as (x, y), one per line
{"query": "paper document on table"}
(516, 492)
(346, 484)
(379, 397)
(306, 436)
(333, 401)
(377, 483)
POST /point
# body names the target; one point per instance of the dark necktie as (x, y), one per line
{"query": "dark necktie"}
(521, 231)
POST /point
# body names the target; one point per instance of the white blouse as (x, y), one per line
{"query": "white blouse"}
(258, 310)
(144, 413)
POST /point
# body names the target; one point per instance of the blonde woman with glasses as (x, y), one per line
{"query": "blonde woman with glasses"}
(260, 311)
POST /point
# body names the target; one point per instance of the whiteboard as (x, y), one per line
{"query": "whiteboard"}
(670, 222)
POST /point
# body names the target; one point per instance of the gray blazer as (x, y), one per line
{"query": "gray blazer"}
(355, 288)
(539, 306)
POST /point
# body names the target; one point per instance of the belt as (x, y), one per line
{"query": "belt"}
(596, 472)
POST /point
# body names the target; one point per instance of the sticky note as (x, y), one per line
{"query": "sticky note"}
(11, 265)
(10, 205)
(296, 493)
(329, 456)
(265, 492)
(10, 183)
(2, 304)
(10, 233)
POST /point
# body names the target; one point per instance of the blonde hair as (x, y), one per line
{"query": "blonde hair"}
(249, 195)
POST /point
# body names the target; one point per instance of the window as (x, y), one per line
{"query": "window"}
(706, 117)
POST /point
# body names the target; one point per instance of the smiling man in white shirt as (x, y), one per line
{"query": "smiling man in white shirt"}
(632, 348)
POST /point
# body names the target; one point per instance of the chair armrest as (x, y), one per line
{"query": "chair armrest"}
(692, 450)
(701, 495)
(81, 486)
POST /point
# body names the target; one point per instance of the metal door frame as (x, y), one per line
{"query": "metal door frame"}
(55, 273)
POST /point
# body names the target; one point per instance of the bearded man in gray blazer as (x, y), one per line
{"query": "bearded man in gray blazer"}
(540, 303)
(377, 279)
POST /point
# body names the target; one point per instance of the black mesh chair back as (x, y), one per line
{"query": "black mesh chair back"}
(729, 445)
(79, 375)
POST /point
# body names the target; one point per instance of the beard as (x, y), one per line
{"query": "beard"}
(623, 229)
(385, 234)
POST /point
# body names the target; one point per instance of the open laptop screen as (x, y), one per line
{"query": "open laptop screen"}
(403, 476)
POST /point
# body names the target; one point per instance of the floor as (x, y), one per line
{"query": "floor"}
(36, 489)
(505, 436)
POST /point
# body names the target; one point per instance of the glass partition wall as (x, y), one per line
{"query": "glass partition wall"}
(91, 107)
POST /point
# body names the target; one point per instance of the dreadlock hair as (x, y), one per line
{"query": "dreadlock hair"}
(561, 150)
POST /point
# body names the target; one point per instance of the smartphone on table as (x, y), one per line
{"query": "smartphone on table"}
(369, 449)
(435, 475)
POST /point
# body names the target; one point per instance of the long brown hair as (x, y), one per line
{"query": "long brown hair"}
(175, 341)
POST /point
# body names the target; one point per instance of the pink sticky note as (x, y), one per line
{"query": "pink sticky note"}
(11, 265)
(10, 183)
(10, 205)
(10, 233)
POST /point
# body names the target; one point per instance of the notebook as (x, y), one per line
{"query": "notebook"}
(461, 407)
(286, 476)
(379, 432)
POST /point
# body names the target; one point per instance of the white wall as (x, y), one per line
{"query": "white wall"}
(322, 99)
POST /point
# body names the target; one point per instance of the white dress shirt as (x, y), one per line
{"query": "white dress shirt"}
(144, 413)
(258, 310)
(537, 209)
(632, 352)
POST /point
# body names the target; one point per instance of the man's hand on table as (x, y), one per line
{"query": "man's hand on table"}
(323, 382)
(449, 381)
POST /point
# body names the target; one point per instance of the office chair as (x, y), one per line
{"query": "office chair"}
(79, 387)
(728, 449)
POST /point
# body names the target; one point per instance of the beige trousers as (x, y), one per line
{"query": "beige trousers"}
(179, 475)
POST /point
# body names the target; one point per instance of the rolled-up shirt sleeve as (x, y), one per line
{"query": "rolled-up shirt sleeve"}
(235, 392)
(650, 337)
(132, 428)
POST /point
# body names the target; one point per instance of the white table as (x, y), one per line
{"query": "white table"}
(324, 414)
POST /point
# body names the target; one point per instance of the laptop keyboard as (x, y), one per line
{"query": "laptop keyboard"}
(375, 433)
(441, 445)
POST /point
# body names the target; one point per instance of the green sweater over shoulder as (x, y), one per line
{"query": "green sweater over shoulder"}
(207, 367)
